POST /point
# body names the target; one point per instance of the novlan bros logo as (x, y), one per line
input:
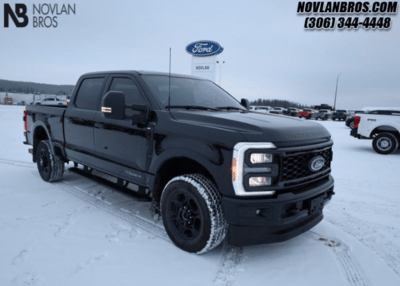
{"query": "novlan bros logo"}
(20, 12)
(44, 15)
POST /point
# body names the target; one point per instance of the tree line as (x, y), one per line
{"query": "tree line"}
(36, 88)
(277, 103)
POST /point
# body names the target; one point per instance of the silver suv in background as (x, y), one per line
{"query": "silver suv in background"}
(278, 110)
(262, 109)
(322, 114)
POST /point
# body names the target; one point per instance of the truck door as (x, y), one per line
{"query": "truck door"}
(121, 146)
(79, 120)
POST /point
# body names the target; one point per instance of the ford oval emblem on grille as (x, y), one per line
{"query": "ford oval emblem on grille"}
(316, 163)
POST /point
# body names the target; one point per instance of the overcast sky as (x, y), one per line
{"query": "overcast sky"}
(268, 53)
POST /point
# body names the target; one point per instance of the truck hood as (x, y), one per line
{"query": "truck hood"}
(258, 127)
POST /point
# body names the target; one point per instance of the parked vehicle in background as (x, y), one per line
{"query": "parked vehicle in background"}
(339, 114)
(382, 126)
(322, 106)
(262, 109)
(291, 111)
(210, 167)
(322, 114)
(51, 101)
(306, 113)
(350, 119)
(277, 110)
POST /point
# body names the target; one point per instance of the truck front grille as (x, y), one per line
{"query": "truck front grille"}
(294, 164)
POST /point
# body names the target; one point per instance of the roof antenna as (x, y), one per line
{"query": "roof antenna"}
(169, 83)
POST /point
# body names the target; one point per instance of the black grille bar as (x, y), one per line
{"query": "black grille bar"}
(294, 165)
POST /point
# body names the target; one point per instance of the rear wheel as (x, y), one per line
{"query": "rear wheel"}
(385, 143)
(192, 213)
(351, 124)
(50, 166)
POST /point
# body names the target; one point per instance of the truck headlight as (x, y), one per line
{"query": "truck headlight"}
(259, 181)
(259, 158)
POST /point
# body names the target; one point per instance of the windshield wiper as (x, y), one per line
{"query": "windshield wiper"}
(230, 108)
(191, 107)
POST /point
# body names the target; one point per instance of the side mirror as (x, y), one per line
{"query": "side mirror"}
(245, 102)
(113, 105)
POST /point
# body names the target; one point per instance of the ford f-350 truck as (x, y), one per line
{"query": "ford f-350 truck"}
(211, 167)
(382, 126)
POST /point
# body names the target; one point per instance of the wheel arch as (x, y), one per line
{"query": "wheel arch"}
(385, 128)
(175, 166)
(41, 132)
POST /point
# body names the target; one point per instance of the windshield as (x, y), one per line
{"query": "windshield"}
(189, 92)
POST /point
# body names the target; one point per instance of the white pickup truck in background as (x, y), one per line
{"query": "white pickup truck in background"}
(51, 101)
(382, 126)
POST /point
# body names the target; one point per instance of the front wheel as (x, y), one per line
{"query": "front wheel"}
(50, 166)
(385, 143)
(192, 213)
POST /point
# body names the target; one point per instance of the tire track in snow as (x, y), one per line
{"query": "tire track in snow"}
(115, 209)
(94, 259)
(386, 209)
(17, 163)
(21, 257)
(350, 267)
(231, 255)
(368, 236)
(231, 258)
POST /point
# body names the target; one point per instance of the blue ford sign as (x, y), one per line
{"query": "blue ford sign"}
(204, 48)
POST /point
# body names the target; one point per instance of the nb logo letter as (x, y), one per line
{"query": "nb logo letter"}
(20, 12)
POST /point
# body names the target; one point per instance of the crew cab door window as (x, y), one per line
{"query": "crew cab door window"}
(89, 93)
(131, 91)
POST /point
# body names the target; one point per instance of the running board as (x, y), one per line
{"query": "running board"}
(136, 195)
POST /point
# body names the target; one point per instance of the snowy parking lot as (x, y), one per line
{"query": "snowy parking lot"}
(77, 232)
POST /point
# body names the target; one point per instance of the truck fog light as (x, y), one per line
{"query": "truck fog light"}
(259, 181)
(259, 158)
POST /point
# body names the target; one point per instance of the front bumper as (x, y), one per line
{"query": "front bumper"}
(259, 221)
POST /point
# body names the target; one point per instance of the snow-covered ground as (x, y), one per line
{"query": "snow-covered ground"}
(76, 232)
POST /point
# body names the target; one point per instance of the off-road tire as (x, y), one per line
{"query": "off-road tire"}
(192, 213)
(385, 143)
(50, 166)
(351, 125)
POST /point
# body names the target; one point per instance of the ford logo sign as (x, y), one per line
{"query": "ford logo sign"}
(204, 48)
(316, 163)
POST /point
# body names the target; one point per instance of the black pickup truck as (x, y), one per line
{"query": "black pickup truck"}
(339, 114)
(211, 168)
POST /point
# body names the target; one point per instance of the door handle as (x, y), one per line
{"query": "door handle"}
(99, 125)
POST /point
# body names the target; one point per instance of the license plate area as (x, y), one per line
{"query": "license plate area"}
(316, 205)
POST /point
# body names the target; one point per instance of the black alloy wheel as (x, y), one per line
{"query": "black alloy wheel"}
(192, 213)
(50, 166)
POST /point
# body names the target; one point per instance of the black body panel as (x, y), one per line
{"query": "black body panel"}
(137, 152)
